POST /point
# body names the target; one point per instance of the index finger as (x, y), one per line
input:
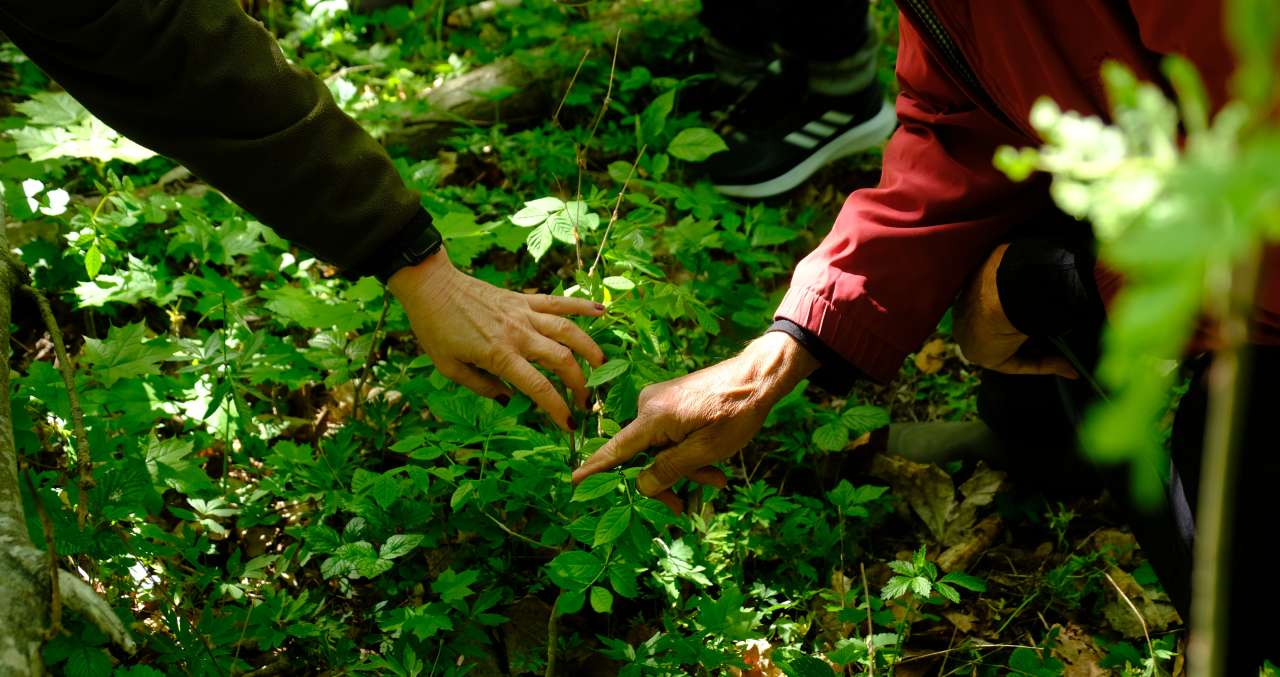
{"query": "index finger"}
(564, 305)
(629, 441)
(518, 372)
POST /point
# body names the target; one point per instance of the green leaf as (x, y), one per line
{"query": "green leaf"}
(654, 117)
(575, 570)
(623, 579)
(607, 372)
(613, 523)
(126, 353)
(539, 241)
(864, 419)
(963, 580)
(601, 600)
(921, 586)
(528, 217)
(596, 486)
(93, 261)
(561, 228)
(87, 661)
(902, 568)
(399, 545)
(947, 592)
(569, 602)
(831, 437)
(801, 665)
(619, 283)
(895, 588)
(696, 144)
(452, 586)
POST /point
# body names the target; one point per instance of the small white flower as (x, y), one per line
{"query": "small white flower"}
(31, 188)
(58, 199)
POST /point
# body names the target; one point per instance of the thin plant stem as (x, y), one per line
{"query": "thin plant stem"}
(368, 360)
(613, 218)
(84, 458)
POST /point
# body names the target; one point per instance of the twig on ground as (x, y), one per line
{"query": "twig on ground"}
(84, 459)
(1150, 647)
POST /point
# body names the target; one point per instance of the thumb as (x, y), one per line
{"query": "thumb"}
(670, 466)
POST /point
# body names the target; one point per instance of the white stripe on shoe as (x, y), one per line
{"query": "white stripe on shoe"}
(801, 140)
(835, 117)
(856, 139)
(820, 130)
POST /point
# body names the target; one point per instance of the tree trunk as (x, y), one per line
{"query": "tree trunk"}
(25, 592)
(536, 80)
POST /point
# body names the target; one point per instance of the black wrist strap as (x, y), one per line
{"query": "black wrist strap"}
(414, 244)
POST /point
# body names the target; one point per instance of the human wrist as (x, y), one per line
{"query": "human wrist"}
(430, 273)
(778, 363)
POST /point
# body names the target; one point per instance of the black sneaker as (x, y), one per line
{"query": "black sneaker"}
(783, 132)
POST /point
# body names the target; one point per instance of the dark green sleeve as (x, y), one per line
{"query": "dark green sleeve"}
(201, 82)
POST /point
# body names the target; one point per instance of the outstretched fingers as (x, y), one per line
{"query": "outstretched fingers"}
(629, 441)
(518, 372)
(564, 305)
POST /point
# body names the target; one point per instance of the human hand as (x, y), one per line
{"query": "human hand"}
(477, 334)
(986, 336)
(705, 417)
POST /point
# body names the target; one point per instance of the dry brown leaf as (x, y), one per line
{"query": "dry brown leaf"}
(1078, 652)
(962, 621)
(931, 493)
(932, 356)
(1155, 607)
(961, 556)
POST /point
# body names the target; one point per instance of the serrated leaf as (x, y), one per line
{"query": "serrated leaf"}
(864, 419)
(921, 586)
(903, 568)
(947, 592)
(613, 523)
(453, 586)
(963, 580)
(696, 144)
(547, 204)
(561, 228)
(895, 588)
(575, 570)
(607, 372)
(596, 486)
(399, 545)
(528, 217)
(601, 600)
(831, 437)
(126, 353)
(539, 241)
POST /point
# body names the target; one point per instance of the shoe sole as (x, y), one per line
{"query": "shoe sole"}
(857, 139)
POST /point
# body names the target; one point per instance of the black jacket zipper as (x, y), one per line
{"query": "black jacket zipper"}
(926, 21)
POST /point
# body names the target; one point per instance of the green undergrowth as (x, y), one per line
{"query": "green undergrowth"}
(282, 479)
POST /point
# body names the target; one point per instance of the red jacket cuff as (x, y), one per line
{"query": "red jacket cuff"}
(849, 331)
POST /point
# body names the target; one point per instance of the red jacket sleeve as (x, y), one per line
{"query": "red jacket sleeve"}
(899, 253)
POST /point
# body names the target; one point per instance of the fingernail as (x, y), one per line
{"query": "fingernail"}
(504, 400)
(600, 307)
(573, 425)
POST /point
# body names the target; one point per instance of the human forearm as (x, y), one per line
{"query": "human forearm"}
(203, 83)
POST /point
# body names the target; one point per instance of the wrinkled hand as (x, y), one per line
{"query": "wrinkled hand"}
(986, 336)
(704, 417)
(477, 333)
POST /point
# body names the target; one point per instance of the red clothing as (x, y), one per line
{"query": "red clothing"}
(899, 253)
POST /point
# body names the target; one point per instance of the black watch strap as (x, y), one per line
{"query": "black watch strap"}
(409, 250)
